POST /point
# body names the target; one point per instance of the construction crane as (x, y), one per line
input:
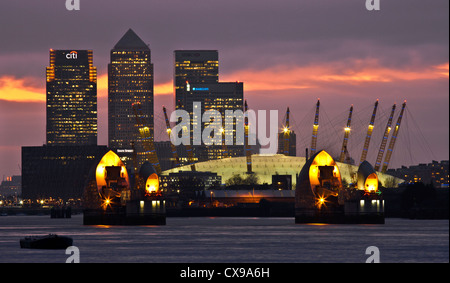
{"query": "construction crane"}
(315, 130)
(349, 167)
(346, 134)
(248, 152)
(393, 139)
(169, 132)
(188, 147)
(286, 135)
(384, 140)
(146, 137)
(135, 165)
(190, 157)
(369, 134)
(222, 131)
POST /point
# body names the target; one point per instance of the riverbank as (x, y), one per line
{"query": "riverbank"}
(412, 202)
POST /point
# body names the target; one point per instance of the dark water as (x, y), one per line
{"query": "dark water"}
(241, 240)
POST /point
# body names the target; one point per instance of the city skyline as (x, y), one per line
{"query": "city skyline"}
(287, 54)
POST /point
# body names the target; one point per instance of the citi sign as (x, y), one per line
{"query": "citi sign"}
(72, 55)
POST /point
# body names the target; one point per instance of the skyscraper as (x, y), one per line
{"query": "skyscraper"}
(59, 168)
(197, 80)
(71, 98)
(130, 80)
(221, 96)
(194, 67)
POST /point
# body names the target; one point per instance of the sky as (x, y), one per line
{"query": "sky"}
(287, 53)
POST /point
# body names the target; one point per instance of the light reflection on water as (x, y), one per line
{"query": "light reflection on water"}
(216, 239)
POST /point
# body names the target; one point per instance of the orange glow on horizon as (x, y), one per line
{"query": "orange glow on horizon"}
(164, 88)
(443, 69)
(14, 89)
(315, 76)
(276, 78)
(159, 89)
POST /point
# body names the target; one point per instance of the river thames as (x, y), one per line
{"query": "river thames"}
(229, 240)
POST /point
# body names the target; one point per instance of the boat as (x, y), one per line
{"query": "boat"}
(50, 241)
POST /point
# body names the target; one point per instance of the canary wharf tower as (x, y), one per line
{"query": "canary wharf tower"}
(130, 80)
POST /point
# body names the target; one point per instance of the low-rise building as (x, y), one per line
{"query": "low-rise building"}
(11, 187)
(435, 173)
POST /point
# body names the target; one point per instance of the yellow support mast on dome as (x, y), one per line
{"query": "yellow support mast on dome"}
(346, 135)
(393, 140)
(248, 152)
(286, 135)
(384, 141)
(169, 132)
(369, 134)
(315, 130)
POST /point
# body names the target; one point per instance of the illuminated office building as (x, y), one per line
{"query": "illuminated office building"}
(130, 80)
(193, 67)
(71, 98)
(59, 168)
(221, 96)
(197, 80)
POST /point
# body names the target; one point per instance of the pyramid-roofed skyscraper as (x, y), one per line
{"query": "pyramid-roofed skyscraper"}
(130, 80)
(130, 40)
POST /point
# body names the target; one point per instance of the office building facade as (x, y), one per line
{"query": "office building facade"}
(58, 171)
(71, 98)
(59, 168)
(221, 97)
(196, 79)
(130, 80)
(193, 67)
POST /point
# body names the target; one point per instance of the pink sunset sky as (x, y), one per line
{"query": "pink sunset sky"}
(288, 53)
